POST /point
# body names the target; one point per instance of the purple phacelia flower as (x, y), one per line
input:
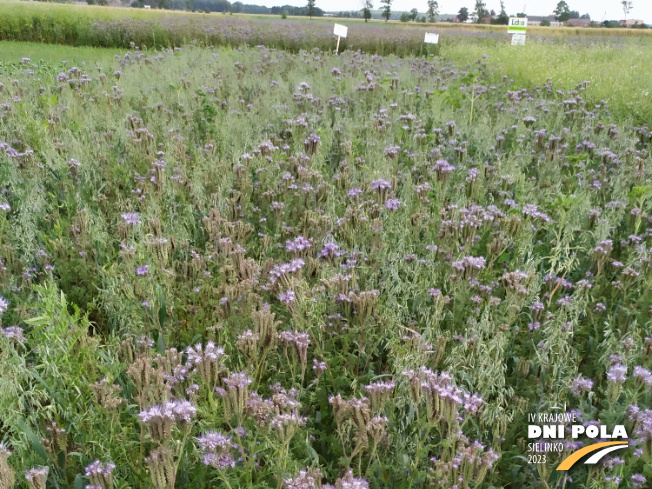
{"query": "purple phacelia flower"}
(287, 297)
(638, 480)
(131, 218)
(392, 204)
(617, 373)
(580, 385)
(330, 250)
(298, 244)
(643, 374)
(380, 184)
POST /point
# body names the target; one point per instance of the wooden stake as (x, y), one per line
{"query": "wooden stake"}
(337, 49)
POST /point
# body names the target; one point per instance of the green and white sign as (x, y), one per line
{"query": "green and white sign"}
(517, 25)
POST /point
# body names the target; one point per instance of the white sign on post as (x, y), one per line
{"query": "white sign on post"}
(431, 38)
(518, 40)
(517, 25)
(340, 30)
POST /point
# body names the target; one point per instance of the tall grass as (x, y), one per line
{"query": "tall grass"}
(620, 69)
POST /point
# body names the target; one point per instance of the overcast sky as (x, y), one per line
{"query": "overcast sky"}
(595, 8)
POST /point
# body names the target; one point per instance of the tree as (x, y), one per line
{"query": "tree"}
(387, 9)
(433, 10)
(503, 18)
(311, 8)
(414, 13)
(562, 12)
(404, 17)
(366, 10)
(480, 10)
(545, 23)
(463, 14)
(627, 7)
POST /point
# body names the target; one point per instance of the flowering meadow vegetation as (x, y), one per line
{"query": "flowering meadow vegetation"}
(236, 268)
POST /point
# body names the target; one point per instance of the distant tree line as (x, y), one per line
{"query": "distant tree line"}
(290, 10)
(191, 5)
(562, 12)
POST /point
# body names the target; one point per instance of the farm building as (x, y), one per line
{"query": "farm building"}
(631, 23)
(578, 23)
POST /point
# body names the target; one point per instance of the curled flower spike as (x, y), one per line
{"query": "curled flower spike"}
(379, 394)
(218, 450)
(37, 477)
(161, 468)
(237, 394)
(100, 474)
(206, 361)
(7, 474)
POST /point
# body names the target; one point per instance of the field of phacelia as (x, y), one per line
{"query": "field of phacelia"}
(246, 268)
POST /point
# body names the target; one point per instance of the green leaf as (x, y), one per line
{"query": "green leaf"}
(34, 440)
(79, 483)
(37, 320)
(647, 470)
(505, 257)
(313, 454)
(577, 158)
(162, 313)
(640, 192)
(160, 344)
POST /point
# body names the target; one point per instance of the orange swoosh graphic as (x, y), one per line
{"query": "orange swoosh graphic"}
(575, 456)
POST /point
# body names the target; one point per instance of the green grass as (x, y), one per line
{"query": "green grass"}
(13, 52)
(620, 71)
